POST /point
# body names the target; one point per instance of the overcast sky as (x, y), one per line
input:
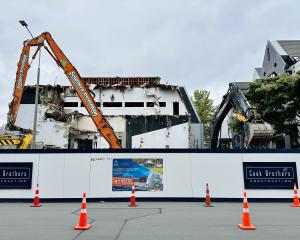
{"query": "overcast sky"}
(198, 44)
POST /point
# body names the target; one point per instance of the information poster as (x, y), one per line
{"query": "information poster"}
(146, 173)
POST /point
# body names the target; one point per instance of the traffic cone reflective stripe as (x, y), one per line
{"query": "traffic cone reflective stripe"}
(245, 203)
(132, 198)
(83, 204)
(83, 223)
(36, 200)
(207, 198)
(296, 198)
(246, 222)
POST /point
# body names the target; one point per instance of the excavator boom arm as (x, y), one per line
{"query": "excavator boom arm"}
(75, 79)
(23, 66)
(255, 127)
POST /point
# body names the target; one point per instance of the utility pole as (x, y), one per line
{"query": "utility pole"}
(36, 101)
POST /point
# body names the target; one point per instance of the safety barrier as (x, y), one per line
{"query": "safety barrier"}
(177, 173)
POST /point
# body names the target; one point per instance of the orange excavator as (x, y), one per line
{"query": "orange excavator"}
(62, 61)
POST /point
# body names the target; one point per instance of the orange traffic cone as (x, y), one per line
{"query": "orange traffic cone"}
(296, 198)
(36, 200)
(132, 198)
(207, 198)
(246, 222)
(83, 224)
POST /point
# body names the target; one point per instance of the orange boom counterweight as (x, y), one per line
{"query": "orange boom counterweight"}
(62, 61)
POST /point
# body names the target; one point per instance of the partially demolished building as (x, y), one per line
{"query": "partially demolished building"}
(143, 112)
(280, 57)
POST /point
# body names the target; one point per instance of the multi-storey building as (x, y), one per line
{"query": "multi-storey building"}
(143, 113)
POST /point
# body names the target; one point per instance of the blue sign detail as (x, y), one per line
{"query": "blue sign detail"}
(140, 171)
(270, 175)
(15, 175)
(128, 168)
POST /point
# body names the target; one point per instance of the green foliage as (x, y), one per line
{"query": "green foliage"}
(204, 105)
(205, 109)
(277, 100)
(236, 125)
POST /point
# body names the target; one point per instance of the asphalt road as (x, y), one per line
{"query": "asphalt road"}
(151, 220)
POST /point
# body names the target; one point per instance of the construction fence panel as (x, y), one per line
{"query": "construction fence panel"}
(183, 174)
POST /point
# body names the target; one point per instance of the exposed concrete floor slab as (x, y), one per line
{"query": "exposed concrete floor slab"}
(151, 220)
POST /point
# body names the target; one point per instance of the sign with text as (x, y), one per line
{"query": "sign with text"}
(145, 173)
(270, 175)
(15, 175)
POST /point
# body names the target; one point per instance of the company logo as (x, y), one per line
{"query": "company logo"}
(63, 62)
(275, 175)
(74, 79)
(20, 80)
(15, 175)
(257, 173)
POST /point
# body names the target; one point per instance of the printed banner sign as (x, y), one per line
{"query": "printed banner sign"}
(15, 175)
(146, 173)
(270, 175)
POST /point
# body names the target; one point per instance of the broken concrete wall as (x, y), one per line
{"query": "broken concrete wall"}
(53, 134)
(52, 122)
(142, 124)
(131, 101)
(86, 140)
(172, 137)
(196, 135)
(85, 124)
(129, 110)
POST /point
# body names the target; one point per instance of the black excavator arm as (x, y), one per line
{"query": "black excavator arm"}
(235, 98)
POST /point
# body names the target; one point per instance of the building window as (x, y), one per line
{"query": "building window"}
(134, 104)
(97, 104)
(175, 108)
(85, 143)
(268, 53)
(112, 104)
(70, 104)
(151, 104)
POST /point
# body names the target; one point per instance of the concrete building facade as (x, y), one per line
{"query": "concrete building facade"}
(133, 106)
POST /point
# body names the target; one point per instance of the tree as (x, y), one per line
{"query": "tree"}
(205, 109)
(277, 100)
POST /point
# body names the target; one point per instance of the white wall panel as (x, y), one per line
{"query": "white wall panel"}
(174, 137)
(185, 174)
(223, 173)
(178, 171)
(51, 175)
(76, 175)
(101, 175)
